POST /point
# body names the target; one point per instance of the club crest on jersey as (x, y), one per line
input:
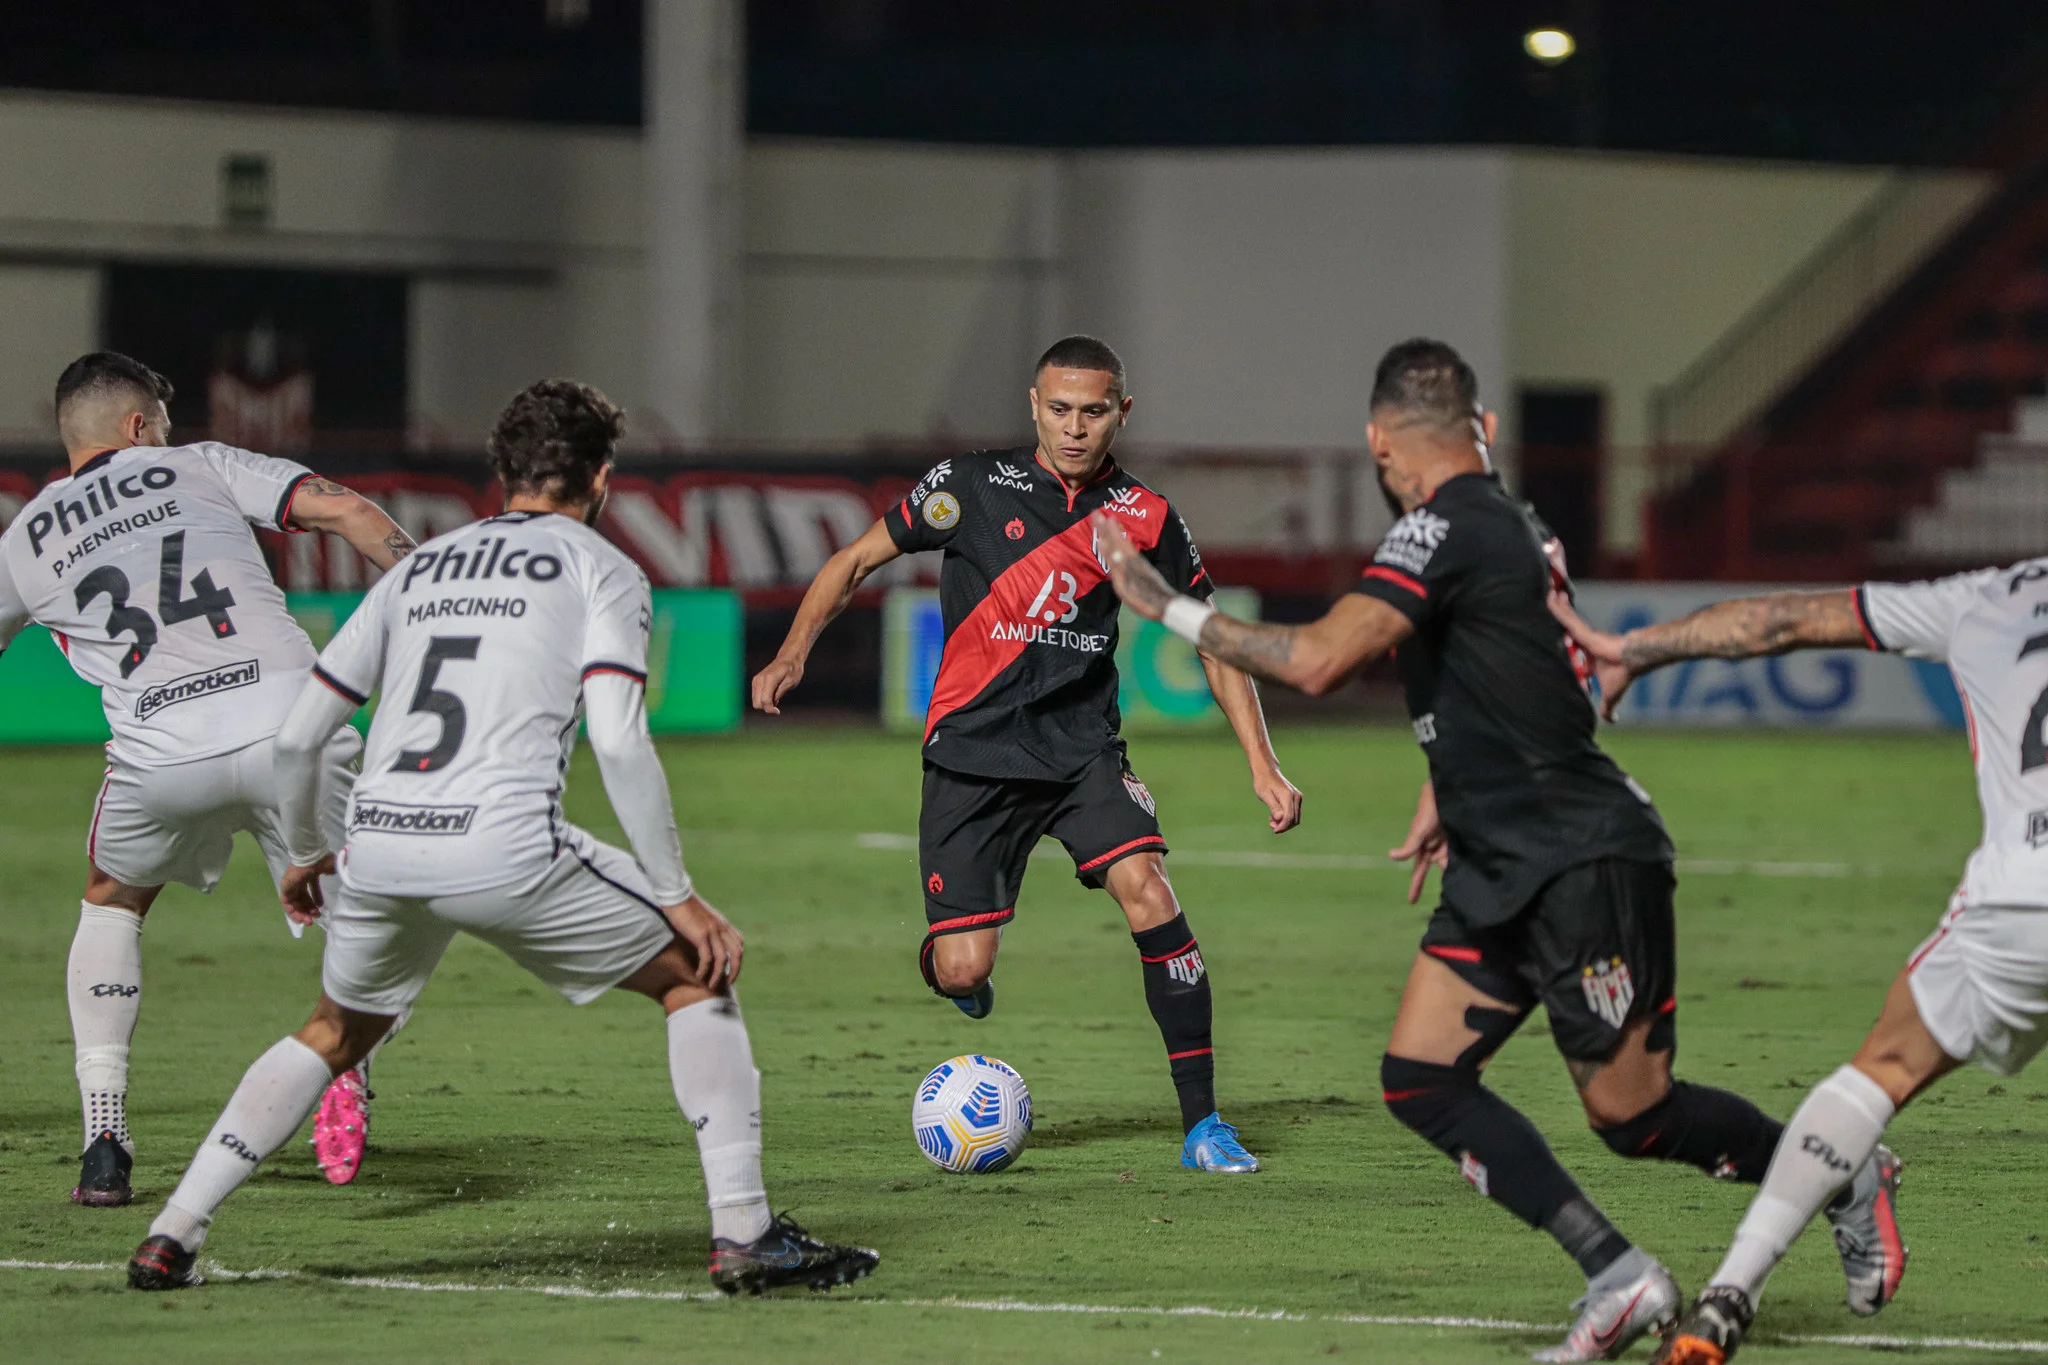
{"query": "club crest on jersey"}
(1139, 793)
(1010, 477)
(941, 511)
(1412, 541)
(1609, 991)
(1015, 529)
(1124, 502)
(929, 484)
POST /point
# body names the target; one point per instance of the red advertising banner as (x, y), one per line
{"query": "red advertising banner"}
(763, 531)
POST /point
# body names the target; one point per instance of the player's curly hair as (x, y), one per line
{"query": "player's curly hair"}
(1427, 381)
(554, 437)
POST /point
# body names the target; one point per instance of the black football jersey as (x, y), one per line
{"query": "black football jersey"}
(1522, 788)
(1027, 685)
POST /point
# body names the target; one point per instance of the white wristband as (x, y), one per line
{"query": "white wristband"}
(1184, 616)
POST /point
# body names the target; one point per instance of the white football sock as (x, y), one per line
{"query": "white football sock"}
(104, 984)
(276, 1095)
(711, 1064)
(1824, 1146)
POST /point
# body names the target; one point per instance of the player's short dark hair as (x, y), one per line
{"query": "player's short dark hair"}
(1080, 352)
(108, 372)
(1427, 381)
(554, 437)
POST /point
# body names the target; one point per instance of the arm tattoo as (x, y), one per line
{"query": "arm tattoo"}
(1747, 627)
(324, 487)
(1144, 587)
(1258, 648)
(399, 543)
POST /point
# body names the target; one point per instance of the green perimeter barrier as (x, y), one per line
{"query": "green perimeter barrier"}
(695, 660)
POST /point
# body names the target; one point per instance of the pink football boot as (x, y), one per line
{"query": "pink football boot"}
(341, 1128)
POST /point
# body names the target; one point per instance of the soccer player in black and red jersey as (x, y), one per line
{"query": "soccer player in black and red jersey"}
(1021, 736)
(1557, 886)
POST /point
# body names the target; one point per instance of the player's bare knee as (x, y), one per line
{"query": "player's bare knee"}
(1899, 1068)
(104, 890)
(342, 1036)
(1617, 1115)
(1148, 901)
(960, 976)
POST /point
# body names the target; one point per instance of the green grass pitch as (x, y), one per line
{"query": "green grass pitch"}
(522, 1145)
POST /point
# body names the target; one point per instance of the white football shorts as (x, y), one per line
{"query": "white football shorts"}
(585, 926)
(1980, 982)
(152, 826)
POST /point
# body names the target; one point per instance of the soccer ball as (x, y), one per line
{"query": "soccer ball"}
(971, 1114)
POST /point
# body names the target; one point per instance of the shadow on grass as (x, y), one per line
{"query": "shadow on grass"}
(32, 1125)
(419, 1178)
(596, 1258)
(1265, 1120)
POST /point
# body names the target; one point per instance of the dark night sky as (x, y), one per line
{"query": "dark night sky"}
(1848, 80)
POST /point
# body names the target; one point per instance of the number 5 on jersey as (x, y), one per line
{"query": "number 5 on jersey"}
(433, 701)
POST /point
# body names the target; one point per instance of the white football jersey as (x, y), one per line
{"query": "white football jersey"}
(480, 642)
(1991, 628)
(144, 568)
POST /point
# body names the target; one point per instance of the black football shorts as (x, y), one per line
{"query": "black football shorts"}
(1597, 947)
(975, 834)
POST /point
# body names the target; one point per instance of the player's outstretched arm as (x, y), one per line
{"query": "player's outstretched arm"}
(1741, 628)
(1315, 658)
(827, 596)
(1238, 696)
(616, 707)
(295, 756)
(324, 505)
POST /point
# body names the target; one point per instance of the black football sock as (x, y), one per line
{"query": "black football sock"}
(1720, 1132)
(1177, 991)
(1586, 1235)
(1500, 1153)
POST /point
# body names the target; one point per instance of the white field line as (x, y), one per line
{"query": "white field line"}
(1355, 862)
(1866, 1341)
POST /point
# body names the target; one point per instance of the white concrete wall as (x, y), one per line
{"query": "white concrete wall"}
(893, 291)
(1251, 293)
(898, 293)
(502, 227)
(49, 315)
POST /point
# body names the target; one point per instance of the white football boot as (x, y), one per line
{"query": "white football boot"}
(1634, 1296)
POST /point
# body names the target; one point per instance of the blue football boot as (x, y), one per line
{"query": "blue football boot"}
(978, 1005)
(1212, 1145)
